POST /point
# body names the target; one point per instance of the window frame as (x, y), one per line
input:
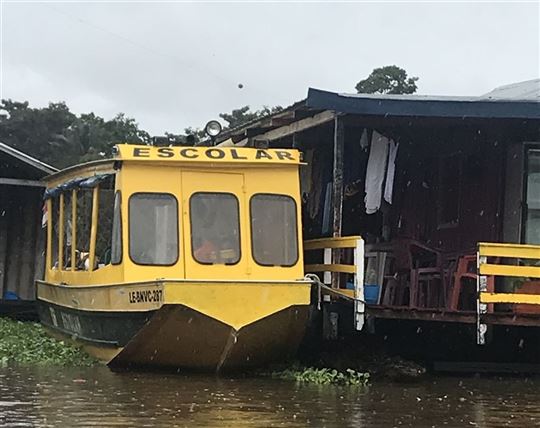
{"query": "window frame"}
(525, 210)
(295, 227)
(443, 223)
(239, 228)
(177, 229)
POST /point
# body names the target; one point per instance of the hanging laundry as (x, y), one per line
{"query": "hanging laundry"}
(375, 172)
(390, 171)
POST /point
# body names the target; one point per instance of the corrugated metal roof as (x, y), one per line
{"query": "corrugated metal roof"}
(27, 159)
(525, 91)
(517, 101)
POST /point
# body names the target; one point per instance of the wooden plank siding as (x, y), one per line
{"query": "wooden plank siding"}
(21, 241)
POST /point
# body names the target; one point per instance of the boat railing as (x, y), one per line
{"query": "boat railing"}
(332, 267)
(505, 260)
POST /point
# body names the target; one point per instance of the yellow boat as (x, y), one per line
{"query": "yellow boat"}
(178, 256)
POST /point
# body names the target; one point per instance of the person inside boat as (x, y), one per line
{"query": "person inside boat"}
(215, 235)
(206, 250)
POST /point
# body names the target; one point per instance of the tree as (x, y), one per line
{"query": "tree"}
(38, 132)
(387, 80)
(243, 115)
(56, 136)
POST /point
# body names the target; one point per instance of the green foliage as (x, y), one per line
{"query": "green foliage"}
(60, 138)
(56, 136)
(28, 343)
(324, 376)
(387, 80)
(243, 115)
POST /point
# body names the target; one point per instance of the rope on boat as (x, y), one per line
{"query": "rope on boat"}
(321, 286)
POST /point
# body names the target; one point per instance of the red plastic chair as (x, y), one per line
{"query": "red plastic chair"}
(466, 269)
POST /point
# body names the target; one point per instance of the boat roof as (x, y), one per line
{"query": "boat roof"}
(208, 155)
(158, 156)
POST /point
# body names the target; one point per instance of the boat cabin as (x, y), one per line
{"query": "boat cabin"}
(201, 213)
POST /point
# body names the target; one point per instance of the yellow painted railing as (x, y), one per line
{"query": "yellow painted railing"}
(512, 251)
(329, 268)
(490, 265)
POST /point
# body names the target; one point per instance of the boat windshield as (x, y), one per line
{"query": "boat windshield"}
(274, 230)
(215, 228)
(153, 229)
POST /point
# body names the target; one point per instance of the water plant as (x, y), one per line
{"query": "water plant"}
(28, 343)
(323, 376)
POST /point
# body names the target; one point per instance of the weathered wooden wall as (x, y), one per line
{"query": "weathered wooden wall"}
(21, 240)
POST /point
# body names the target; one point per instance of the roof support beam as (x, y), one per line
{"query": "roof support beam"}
(21, 182)
(337, 186)
(288, 130)
(299, 126)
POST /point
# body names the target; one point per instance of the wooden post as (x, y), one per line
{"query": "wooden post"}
(39, 249)
(61, 233)
(4, 211)
(48, 256)
(73, 229)
(93, 228)
(337, 187)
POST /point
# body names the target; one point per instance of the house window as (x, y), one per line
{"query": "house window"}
(449, 191)
(274, 230)
(215, 228)
(532, 203)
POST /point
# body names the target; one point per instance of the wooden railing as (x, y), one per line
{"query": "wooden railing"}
(331, 268)
(491, 263)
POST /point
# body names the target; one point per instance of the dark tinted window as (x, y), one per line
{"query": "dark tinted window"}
(273, 230)
(215, 228)
(153, 229)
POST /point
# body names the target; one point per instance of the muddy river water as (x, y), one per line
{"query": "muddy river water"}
(58, 397)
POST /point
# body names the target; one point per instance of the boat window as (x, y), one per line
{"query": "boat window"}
(116, 247)
(104, 235)
(153, 229)
(54, 216)
(215, 228)
(84, 223)
(68, 230)
(274, 230)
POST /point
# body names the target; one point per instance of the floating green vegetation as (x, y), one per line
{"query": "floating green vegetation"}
(28, 343)
(324, 376)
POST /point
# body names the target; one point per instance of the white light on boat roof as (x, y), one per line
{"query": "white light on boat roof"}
(213, 128)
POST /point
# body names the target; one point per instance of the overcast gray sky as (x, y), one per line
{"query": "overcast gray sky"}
(177, 64)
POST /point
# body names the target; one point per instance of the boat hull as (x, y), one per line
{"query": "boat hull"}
(179, 334)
